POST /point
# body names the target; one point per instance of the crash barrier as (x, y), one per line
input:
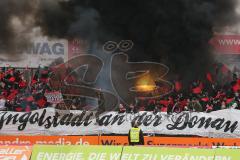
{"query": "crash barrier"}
(118, 140)
(80, 152)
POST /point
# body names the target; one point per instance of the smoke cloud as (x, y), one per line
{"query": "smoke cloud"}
(173, 32)
(16, 24)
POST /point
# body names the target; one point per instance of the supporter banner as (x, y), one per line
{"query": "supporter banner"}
(15, 152)
(45, 152)
(154, 153)
(54, 97)
(118, 140)
(227, 44)
(41, 52)
(223, 123)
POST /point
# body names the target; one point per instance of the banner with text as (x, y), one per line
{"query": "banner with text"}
(45, 152)
(49, 121)
(155, 153)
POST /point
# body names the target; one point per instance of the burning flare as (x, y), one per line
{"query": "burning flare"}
(145, 84)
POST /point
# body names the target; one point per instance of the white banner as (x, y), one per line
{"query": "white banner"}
(40, 52)
(223, 123)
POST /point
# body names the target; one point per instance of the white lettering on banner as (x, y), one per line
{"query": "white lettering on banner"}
(223, 123)
(149, 157)
(97, 156)
(59, 156)
(191, 157)
(115, 156)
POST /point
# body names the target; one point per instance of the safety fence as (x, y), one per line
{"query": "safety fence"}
(80, 152)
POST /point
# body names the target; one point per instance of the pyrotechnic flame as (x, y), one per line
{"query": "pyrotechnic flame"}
(145, 88)
(145, 84)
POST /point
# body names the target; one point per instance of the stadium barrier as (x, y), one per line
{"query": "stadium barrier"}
(118, 140)
(80, 152)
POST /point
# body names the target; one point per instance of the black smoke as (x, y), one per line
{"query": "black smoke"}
(173, 32)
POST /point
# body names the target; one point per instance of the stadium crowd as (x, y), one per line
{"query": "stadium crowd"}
(19, 94)
(219, 89)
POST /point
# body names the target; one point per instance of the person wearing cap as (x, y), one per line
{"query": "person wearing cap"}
(135, 135)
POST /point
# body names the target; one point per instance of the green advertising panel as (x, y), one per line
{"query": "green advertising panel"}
(158, 153)
(50, 152)
(230, 154)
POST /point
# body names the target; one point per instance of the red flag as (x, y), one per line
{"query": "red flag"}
(18, 109)
(12, 79)
(205, 99)
(22, 84)
(164, 102)
(164, 109)
(229, 100)
(30, 99)
(236, 87)
(33, 81)
(209, 77)
(12, 95)
(178, 86)
(197, 90)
